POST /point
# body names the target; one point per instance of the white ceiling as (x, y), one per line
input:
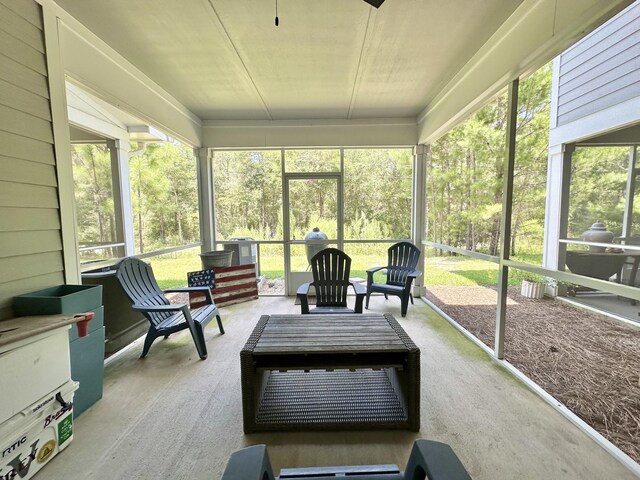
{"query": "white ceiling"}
(328, 59)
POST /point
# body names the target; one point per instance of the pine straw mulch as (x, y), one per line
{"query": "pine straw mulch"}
(589, 362)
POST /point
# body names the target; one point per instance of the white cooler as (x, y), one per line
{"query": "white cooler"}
(31, 368)
(33, 436)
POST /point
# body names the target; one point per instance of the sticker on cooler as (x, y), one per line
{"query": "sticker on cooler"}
(50, 431)
(27, 461)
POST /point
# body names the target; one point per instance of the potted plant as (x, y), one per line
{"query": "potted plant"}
(558, 288)
(533, 285)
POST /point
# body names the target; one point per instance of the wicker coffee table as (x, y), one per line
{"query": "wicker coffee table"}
(330, 372)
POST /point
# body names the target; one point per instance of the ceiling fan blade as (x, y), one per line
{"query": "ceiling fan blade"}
(374, 3)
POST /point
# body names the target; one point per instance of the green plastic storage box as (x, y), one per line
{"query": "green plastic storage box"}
(60, 299)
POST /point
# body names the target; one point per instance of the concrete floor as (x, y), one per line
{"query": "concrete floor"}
(618, 307)
(174, 416)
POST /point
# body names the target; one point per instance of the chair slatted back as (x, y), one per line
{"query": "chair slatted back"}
(137, 281)
(330, 268)
(403, 259)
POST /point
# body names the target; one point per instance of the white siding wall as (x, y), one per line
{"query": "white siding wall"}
(602, 70)
(30, 237)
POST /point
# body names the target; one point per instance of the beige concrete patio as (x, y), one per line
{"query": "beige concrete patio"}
(174, 416)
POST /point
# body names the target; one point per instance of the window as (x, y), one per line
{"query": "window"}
(93, 189)
(530, 169)
(312, 160)
(598, 183)
(465, 180)
(377, 194)
(248, 194)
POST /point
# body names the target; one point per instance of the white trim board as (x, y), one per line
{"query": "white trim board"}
(100, 70)
(536, 32)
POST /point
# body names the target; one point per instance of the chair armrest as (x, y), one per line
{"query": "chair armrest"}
(361, 292)
(370, 273)
(303, 289)
(374, 269)
(205, 290)
(435, 459)
(174, 307)
(302, 293)
(250, 463)
(411, 276)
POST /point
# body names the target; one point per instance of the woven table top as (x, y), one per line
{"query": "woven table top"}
(352, 333)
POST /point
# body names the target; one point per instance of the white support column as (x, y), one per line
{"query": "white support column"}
(419, 209)
(62, 145)
(122, 206)
(557, 206)
(205, 199)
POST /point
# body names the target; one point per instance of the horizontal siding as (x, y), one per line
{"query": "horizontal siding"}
(25, 285)
(21, 123)
(31, 242)
(21, 28)
(599, 104)
(28, 196)
(601, 64)
(17, 146)
(594, 92)
(20, 99)
(23, 53)
(25, 266)
(602, 39)
(30, 232)
(25, 171)
(16, 219)
(27, 9)
(602, 70)
(22, 76)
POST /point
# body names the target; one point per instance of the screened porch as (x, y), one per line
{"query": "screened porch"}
(166, 131)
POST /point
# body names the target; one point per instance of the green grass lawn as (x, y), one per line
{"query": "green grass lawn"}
(465, 271)
(171, 270)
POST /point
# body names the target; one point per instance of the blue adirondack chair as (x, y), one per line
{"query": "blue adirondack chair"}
(401, 272)
(330, 269)
(138, 282)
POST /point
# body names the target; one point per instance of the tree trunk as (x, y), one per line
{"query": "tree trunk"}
(140, 239)
(178, 215)
(469, 244)
(514, 234)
